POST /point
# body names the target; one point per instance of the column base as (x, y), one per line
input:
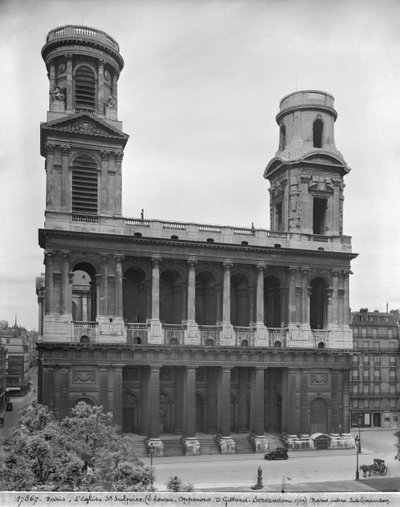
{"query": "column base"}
(300, 336)
(192, 335)
(260, 443)
(192, 446)
(156, 445)
(155, 332)
(260, 335)
(227, 336)
(111, 330)
(226, 445)
(58, 328)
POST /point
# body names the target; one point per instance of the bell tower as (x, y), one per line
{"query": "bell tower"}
(306, 174)
(82, 140)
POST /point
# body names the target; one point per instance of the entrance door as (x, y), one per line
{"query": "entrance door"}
(376, 419)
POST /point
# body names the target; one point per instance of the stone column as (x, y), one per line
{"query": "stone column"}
(50, 176)
(192, 445)
(103, 289)
(118, 287)
(242, 399)
(225, 441)
(328, 297)
(69, 85)
(257, 410)
(155, 332)
(103, 204)
(346, 303)
(100, 89)
(335, 299)
(293, 270)
(65, 189)
(346, 401)
(52, 79)
(49, 282)
(228, 337)
(153, 403)
(65, 286)
(305, 272)
(103, 387)
(118, 184)
(179, 404)
(117, 398)
(64, 388)
(293, 402)
(212, 381)
(48, 383)
(304, 408)
(192, 335)
(261, 332)
(41, 299)
(115, 87)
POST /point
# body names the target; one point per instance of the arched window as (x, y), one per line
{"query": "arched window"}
(84, 294)
(318, 128)
(318, 304)
(240, 308)
(134, 295)
(282, 137)
(206, 299)
(84, 186)
(272, 302)
(85, 90)
(171, 297)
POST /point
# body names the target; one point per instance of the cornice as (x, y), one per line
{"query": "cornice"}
(84, 237)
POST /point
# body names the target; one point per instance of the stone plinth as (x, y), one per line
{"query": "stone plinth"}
(192, 446)
(226, 445)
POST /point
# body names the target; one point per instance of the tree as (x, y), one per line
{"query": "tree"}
(82, 452)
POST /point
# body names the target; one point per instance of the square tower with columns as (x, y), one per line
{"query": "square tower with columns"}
(216, 337)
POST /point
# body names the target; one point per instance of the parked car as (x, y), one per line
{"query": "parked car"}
(9, 406)
(279, 453)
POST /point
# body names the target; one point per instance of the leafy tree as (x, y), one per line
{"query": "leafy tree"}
(175, 484)
(82, 452)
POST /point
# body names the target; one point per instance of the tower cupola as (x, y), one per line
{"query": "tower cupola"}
(306, 174)
(83, 66)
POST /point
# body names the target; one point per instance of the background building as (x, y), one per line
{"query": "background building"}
(197, 332)
(16, 340)
(375, 375)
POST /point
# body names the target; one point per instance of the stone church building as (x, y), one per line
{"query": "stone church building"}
(182, 330)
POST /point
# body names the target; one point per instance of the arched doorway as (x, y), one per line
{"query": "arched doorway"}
(130, 423)
(319, 416)
(171, 297)
(272, 302)
(165, 414)
(206, 299)
(199, 414)
(134, 290)
(240, 301)
(318, 303)
(84, 293)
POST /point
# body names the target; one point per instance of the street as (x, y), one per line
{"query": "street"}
(205, 472)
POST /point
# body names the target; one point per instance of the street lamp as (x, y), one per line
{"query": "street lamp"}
(151, 451)
(357, 441)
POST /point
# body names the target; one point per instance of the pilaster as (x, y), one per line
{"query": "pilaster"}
(225, 441)
(257, 410)
(153, 403)
(192, 445)
(227, 334)
(192, 335)
(260, 331)
(155, 330)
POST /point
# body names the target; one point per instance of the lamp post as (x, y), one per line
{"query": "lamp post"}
(151, 451)
(357, 441)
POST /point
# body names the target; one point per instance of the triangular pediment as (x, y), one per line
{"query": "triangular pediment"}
(83, 125)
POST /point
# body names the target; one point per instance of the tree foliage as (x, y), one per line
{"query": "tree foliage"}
(83, 452)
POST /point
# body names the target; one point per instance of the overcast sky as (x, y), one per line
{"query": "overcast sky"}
(198, 96)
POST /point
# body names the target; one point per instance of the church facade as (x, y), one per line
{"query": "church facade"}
(181, 328)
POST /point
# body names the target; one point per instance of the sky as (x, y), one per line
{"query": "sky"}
(198, 96)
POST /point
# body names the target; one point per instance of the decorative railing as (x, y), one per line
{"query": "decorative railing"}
(82, 31)
(136, 333)
(174, 334)
(210, 335)
(244, 336)
(85, 330)
(89, 219)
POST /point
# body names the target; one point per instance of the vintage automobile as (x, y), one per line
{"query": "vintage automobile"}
(279, 453)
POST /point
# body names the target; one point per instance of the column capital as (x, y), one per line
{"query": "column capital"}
(293, 269)
(192, 261)
(105, 154)
(119, 257)
(65, 149)
(227, 263)
(226, 369)
(335, 273)
(119, 155)
(261, 266)
(50, 147)
(65, 253)
(155, 260)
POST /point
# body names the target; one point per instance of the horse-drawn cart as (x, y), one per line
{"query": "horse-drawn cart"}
(378, 467)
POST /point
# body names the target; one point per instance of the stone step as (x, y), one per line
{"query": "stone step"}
(173, 447)
(208, 445)
(140, 448)
(243, 445)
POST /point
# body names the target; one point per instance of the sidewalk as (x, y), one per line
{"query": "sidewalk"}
(391, 484)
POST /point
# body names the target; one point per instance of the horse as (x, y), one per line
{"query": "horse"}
(367, 469)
